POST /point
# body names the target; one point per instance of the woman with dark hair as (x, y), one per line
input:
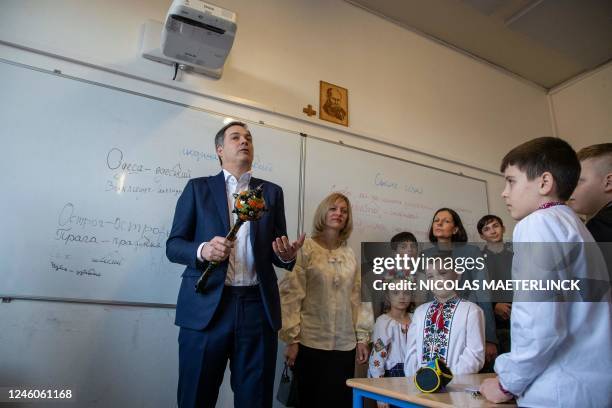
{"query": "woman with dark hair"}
(450, 240)
(446, 226)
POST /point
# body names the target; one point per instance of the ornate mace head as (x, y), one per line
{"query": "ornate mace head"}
(250, 205)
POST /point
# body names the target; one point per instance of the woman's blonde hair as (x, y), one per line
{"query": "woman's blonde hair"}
(318, 222)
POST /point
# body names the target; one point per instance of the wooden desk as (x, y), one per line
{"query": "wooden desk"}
(400, 391)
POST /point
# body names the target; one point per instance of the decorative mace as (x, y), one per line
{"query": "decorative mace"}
(249, 206)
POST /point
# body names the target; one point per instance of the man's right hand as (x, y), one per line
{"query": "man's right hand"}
(291, 352)
(217, 249)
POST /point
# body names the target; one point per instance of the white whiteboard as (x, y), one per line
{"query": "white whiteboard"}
(91, 176)
(387, 195)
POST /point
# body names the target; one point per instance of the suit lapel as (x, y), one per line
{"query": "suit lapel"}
(217, 186)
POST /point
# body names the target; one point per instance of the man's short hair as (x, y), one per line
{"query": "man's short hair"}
(598, 151)
(220, 136)
(489, 218)
(547, 154)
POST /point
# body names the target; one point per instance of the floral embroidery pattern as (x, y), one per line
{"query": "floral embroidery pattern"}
(436, 335)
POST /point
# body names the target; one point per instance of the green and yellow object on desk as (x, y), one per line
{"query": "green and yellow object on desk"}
(433, 377)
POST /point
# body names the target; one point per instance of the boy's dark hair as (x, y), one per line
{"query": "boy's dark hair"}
(547, 154)
(402, 237)
(595, 151)
(486, 220)
(460, 236)
(220, 136)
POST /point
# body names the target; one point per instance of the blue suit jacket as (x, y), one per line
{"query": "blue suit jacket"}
(201, 214)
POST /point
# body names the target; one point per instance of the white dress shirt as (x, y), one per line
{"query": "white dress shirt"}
(241, 268)
(561, 352)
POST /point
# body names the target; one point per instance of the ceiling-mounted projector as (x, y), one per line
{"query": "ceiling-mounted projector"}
(196, 34)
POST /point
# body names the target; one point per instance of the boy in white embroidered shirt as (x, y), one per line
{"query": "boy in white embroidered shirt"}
(561, 351)
(448, 328)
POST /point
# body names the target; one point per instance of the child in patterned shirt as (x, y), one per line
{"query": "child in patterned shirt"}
(390, 331)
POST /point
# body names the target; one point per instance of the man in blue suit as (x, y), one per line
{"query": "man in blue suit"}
(238, 315)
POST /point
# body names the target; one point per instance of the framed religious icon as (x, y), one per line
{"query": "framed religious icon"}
(333, 103)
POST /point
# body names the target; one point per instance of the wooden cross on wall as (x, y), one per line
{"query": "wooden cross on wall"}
(309, 111)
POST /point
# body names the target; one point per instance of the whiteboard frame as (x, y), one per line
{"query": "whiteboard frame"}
(302, 167)
(10, 298)
(57, 73)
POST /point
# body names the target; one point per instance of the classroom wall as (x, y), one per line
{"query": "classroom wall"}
(402, 87)
(405, 91)
(583, 108)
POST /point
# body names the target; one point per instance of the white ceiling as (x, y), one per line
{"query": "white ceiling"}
(547, 42)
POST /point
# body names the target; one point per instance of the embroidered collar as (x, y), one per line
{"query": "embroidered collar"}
(550, 204)
(438, 322)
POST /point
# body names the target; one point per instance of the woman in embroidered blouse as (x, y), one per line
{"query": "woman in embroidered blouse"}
(320, 303)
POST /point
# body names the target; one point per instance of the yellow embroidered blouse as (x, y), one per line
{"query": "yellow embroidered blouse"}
(321, 300)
